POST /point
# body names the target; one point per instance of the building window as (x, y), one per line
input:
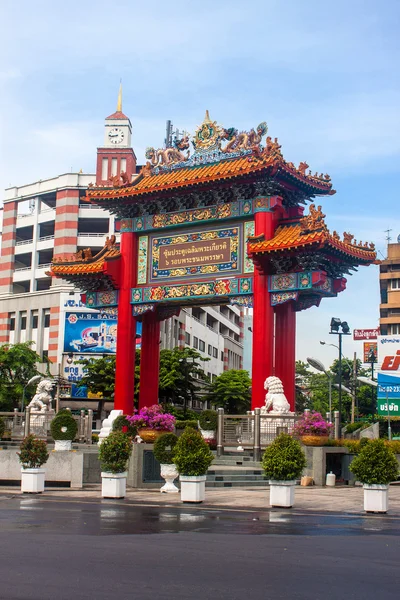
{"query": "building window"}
(395, 284)
(35, 320)
(209, 350)
(215, 352)
(195, 342)
(202, 346)
(187, 338)
(222, 355)
(114, 166)
(104, 169)
(394, 329)
(12, 324)
(23, 323)
(46, 320)
(45, 355)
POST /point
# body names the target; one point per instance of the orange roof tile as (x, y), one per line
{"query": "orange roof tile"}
(288, 237)
(78, 265)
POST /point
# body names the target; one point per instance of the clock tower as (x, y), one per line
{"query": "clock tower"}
(116, 155)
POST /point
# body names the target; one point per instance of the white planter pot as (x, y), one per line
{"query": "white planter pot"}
(169, 473)
(193, 489)
(32, 480)
(376, 498)
(113, 485)
(62, 445)
(281, 493)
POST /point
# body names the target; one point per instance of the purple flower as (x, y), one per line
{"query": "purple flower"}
(153, 417)
(312, 423)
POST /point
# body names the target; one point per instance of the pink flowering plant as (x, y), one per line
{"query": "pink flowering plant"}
(152, 417)
(312, 424)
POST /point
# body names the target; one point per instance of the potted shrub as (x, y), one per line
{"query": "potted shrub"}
(114, 453)
(164, 447)
(283, 462)
(33, 454)
(376, 467)
(192, 457)
(151, 422)
(63, 429)
(208, 423)
(121, 423)
(312, 429)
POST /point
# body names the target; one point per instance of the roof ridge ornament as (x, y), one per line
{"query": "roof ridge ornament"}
(314, 221)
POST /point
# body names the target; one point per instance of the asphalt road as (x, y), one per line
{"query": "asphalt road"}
(105, 550)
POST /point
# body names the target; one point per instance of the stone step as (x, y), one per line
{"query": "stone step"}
(246, 477)
(238, 471)
(249, 464)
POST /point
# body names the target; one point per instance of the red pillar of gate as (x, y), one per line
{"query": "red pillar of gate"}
(263, 319)
(126, 342)
(285, 349)
(149, 360)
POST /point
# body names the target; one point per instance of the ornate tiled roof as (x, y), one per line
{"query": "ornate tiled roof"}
(312, 231)
(118, 115)
(243, 159)
(84, 264)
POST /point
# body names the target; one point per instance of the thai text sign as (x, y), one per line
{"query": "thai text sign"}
(365, 334)
(194, 254)
(370, 347)
(388, 395)
(389, 353)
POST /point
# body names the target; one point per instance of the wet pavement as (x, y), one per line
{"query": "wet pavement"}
(74, 545)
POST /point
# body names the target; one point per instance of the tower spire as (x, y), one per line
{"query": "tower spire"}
(119, 102)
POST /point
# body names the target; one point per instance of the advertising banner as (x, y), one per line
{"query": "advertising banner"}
(93, 333)
(368, 348)
(388, 395)
(389, 354)
(365, 334)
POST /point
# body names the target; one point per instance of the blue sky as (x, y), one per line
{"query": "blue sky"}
(324, 75)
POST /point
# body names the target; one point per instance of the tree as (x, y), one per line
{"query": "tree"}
(18, 364)
(99, 375)
(180, 375)
(232, 391)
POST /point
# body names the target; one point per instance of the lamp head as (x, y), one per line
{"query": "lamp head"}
(317, 364)
(345, 327)
(335, 324)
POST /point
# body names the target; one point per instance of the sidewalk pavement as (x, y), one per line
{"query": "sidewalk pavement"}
(341, 499)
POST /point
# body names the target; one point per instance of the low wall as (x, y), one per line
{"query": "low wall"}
(61, 468)
(81, 467)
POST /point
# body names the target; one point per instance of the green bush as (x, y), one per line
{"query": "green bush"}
(184, 424)
(351, 427)
(121, 422)
(2, 427)
(164, 447)
(375, 464)
(192, 455)
(114, 452)
(63, 426)
(95, 438)
(33, 452)
(353, 446)
(208, 419)
(394, 445)
(284, 459)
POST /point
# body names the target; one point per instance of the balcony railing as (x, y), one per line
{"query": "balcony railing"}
(46, 237)
(96, 235)
(44, 266)
(23, 242)
(22, 268)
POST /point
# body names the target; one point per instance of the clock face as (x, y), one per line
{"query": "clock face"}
(115, 135)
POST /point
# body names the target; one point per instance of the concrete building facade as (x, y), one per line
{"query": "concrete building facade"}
(389, 281)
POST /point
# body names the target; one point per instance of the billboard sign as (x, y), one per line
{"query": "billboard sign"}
(365, 334)
(389, 353)
(388, 395)
(93, 333)
(368, 348)
(90, 333)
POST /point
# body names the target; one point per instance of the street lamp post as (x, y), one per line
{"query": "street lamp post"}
(185, 364)
(372, 361)
(32, 380)
(337, 324)
(317, 364)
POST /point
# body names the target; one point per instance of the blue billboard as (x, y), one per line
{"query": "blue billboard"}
(388, 395)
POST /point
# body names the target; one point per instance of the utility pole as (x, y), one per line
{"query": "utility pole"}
(354, 395)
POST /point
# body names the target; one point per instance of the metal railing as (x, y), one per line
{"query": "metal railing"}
(22, 268)
(254, 431)
(44, 266)
(96, 235)
(20, 424)
(23, 242)
(46, 237)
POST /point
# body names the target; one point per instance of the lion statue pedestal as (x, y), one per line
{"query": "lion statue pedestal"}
(277, 407)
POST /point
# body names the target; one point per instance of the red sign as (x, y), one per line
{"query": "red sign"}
(368, 348)
(365, 334)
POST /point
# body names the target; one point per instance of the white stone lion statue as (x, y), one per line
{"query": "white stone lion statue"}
(41, 401)
(275, 399)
